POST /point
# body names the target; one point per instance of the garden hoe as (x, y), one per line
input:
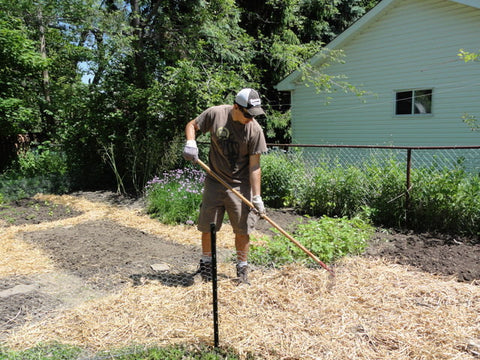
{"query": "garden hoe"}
(264, 216)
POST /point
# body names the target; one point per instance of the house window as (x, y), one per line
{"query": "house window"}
(413, 102)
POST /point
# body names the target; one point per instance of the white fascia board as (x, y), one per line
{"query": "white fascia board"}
(472, 3)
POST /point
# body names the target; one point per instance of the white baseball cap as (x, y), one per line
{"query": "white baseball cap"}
(250, 100)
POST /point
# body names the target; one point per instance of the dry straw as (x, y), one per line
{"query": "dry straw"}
(372, 309)
(20, 258)
(182, 234)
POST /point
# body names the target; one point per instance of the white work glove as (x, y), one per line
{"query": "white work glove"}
(190, 151)
(258, 203)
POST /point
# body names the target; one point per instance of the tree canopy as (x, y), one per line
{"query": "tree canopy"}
(113, 83)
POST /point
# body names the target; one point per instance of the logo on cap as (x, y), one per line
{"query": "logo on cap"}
(255, 102)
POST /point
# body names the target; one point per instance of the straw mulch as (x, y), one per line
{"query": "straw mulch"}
(183, 234)
(372, 309)
(20, 258)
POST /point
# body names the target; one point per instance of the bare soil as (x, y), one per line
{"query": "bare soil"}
(98, 257)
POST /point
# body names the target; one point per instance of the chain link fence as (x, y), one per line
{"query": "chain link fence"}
(338, 180)
(363, 156)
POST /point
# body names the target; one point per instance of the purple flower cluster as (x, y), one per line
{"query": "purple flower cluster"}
(188, 180)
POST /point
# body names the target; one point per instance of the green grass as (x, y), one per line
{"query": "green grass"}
(66, 352)
(42, 352)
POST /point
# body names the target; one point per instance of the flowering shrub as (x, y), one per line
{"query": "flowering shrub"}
(175, 197)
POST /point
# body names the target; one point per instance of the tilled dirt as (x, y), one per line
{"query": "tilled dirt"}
(97, 257)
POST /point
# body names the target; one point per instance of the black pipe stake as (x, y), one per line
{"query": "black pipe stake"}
(213, 239)
(408, 185)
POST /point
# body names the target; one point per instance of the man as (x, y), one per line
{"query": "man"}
(237, 140)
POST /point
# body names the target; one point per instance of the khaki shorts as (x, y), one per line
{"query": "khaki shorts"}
(217, 199)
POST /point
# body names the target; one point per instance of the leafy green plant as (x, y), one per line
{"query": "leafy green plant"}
(13, 186)
(175, 197)
(42, 159)
(447, 200)
(281, 178)
(328, 238)
(385, 192)
(40, 169)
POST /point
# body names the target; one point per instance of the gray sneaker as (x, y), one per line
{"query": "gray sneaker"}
(205, 270)
(242, 275)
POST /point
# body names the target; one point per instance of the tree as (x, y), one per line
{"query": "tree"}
(153, 65)
(469, 119)
(288, 33)
(156, 65)
(19, 62)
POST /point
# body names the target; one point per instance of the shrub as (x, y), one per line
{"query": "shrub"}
(386, 192)
(41, 169)
(175, 197)
(447, 200)
(282, 174)
(13, 187)
(334, 191)
(41, 160)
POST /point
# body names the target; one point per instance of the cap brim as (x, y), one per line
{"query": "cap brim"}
(256, 111)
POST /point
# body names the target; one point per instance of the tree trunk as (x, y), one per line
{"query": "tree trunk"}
(139, 61)
(49, 127)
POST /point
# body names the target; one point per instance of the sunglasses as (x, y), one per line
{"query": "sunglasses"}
(245, 113)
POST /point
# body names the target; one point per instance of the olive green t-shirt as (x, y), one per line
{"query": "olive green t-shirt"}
(231, 143)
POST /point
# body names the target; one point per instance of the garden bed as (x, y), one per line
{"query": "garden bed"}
(76, 269)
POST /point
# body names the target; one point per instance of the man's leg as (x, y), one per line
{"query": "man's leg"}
(205, 268)
(242, 245)
(206, 245)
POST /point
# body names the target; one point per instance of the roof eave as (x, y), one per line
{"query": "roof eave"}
(288, 83)
(472, 3)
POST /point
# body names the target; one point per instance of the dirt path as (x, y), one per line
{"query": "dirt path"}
(86, 246)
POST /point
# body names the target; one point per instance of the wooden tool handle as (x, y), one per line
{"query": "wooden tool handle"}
(264, 216)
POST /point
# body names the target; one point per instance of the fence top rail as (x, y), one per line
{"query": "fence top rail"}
(377, 146)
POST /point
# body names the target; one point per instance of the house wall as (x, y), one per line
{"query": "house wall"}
(413, 45)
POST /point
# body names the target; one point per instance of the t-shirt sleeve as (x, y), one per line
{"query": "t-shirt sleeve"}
(257, 144)
(204, 121)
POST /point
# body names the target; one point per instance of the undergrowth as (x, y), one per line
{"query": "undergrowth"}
(441, 198)
(39, 169)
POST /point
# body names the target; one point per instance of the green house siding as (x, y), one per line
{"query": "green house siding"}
(411, 45)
